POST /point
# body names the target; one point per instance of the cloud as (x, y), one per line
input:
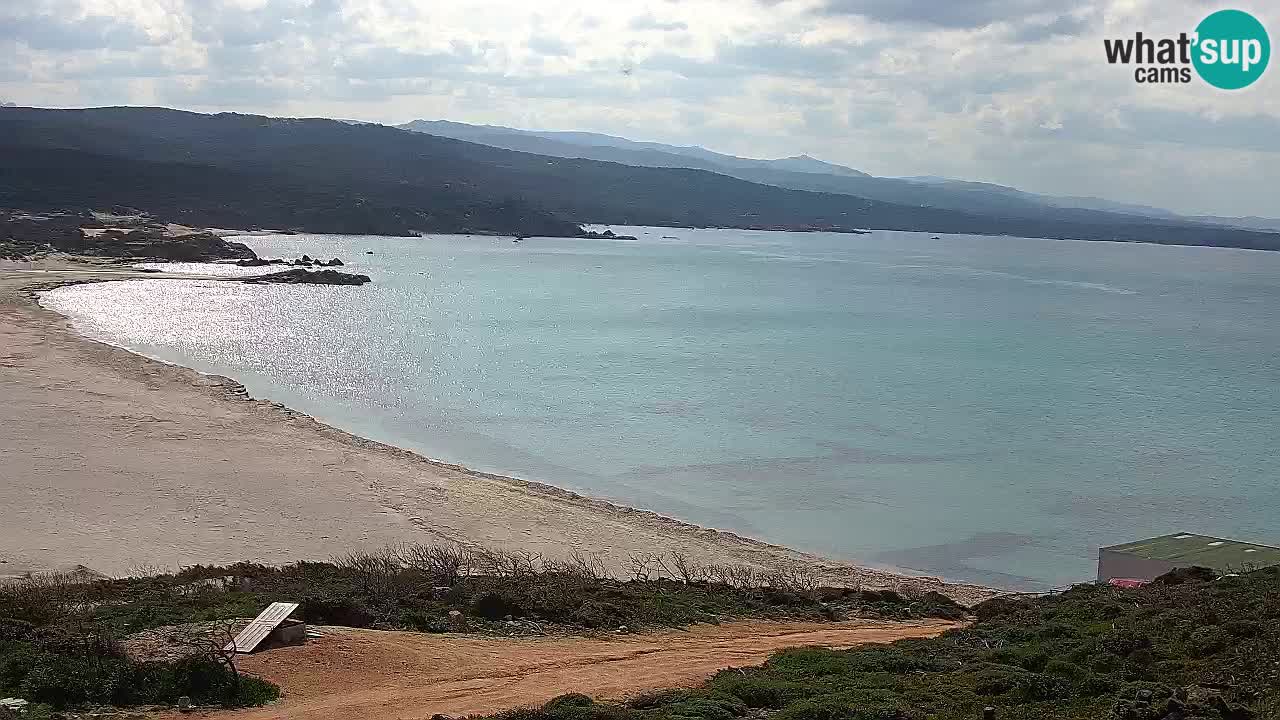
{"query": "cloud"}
(641, 23)
(1033, 31)
(1008, 91)
(383, 62)
(966, 14)
(549, 45)
(47, 32)
(766, 56)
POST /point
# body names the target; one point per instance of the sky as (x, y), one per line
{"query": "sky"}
(1016, 92)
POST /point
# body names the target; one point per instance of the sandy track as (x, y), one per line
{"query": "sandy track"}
(360, 674)
(115, 461)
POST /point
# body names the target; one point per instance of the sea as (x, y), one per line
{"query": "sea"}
(985, 409)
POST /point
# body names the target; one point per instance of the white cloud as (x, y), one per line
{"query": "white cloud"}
(1009, 91)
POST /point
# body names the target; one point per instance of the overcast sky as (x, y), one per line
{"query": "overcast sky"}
(1009, 91)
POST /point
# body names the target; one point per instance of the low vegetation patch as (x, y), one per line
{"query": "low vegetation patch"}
(63, 665)
(1184, 648)
(60, 635)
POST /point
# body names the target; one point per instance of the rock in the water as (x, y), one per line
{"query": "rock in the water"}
(259, 262)
(302, 276)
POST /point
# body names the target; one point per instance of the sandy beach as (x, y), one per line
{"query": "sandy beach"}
(117, 462)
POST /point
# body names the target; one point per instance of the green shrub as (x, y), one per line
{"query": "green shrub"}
(1125, 641)
(691, 704)
(331, 610)
(1209, 641)
(991, 681)
(595, 614)
(570, 700)
(1037, 687)
(425, 622)
(1244, 628)
(818, 710)
(756, 691)
(1066, 670)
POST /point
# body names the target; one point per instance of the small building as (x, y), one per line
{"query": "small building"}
(1149, 559)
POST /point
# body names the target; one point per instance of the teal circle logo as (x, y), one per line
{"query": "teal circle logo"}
(1232, 49)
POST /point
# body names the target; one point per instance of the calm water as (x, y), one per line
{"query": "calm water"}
(988, 409)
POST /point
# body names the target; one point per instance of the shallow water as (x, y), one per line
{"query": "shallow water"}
(986, 409)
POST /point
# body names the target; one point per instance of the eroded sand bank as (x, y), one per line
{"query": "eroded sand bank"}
(118, 462)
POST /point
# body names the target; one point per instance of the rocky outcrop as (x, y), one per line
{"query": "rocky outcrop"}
(302, 276)
(606, 235)
(132, 237)
(305, 261)
(260, 262)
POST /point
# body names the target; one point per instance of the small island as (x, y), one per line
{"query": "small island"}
(302, 276)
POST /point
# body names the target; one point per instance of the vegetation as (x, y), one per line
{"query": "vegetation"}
(1184, 647)
(59, 660)
(232, 170)
(60, 636)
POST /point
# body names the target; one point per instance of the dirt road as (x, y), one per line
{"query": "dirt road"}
(360, 674)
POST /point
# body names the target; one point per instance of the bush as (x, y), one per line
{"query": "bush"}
(1208, 641)
(1066, 670)
(570, 700)
(999, 607)
(889, 597)
(330, 610)
(495, 606)
(1244, 628)
(1125, 642)
(1179, 576)
(1037, 687)
(67, 671)
(692, 704)
(759, 692)
(596, 614)
(990, 682)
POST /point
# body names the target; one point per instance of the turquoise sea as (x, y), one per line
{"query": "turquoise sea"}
(989, 409)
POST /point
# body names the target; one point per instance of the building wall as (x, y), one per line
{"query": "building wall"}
(1123, 565)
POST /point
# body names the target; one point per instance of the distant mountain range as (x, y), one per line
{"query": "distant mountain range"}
(233, 170)
(806, 173)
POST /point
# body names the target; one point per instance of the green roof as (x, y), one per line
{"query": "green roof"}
(1210, 552)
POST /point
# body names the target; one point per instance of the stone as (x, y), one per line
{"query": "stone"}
(458, 621)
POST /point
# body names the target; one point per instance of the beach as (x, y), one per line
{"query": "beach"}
(124, 464)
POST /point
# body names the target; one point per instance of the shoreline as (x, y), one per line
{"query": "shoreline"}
(333, 491)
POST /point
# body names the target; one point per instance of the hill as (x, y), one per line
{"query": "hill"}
(331, 176)
(806, 173)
